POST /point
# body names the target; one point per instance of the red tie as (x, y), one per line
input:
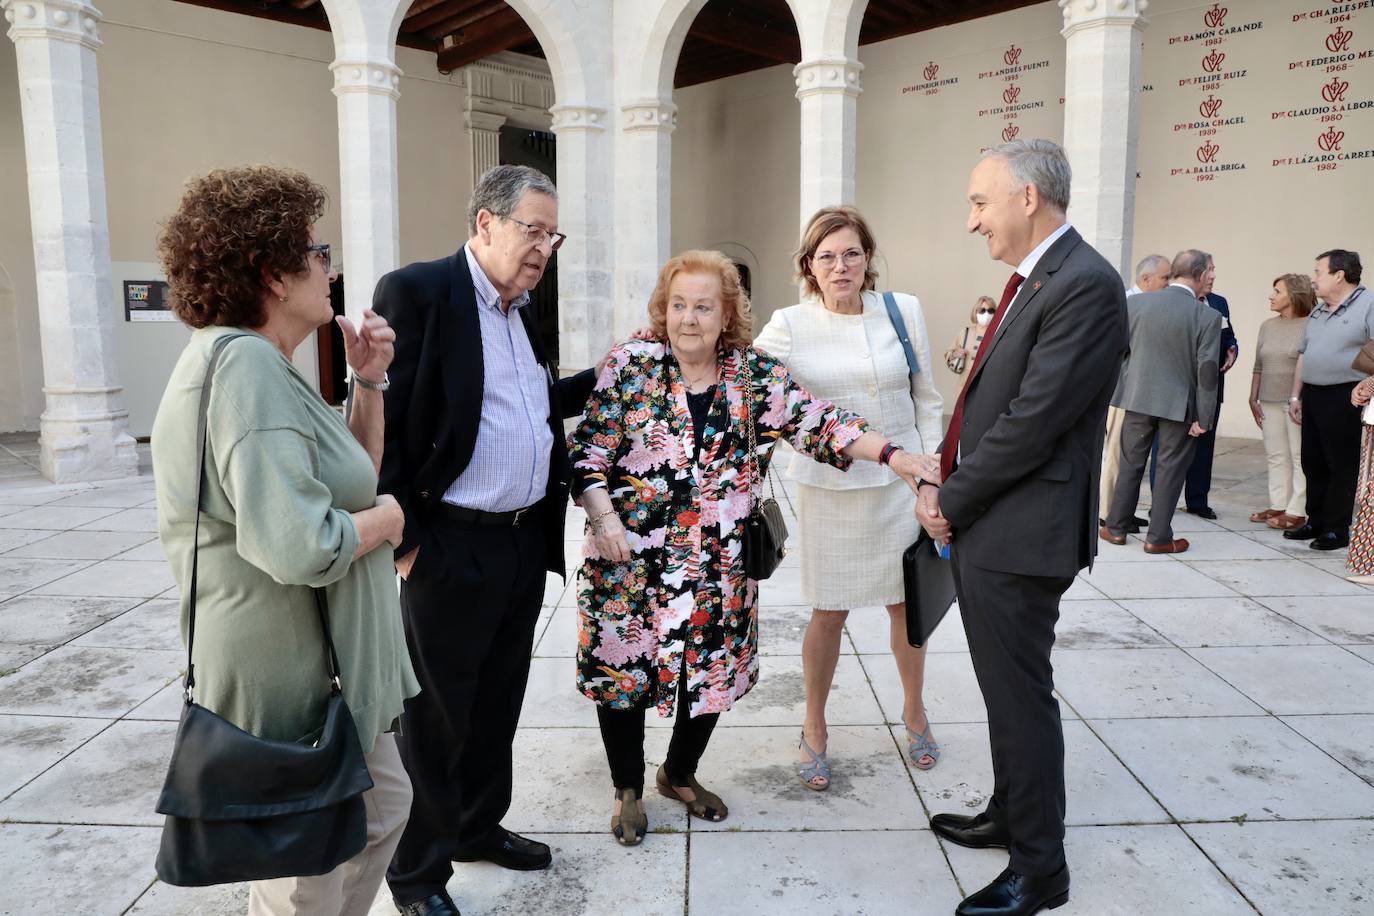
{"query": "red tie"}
(951, 445)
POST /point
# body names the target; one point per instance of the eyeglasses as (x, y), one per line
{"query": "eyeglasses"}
(986, 311)
(826, 260)
(538, 235)
(321, 252)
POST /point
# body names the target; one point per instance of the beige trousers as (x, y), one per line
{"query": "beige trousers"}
(1283, 448)
(350, 889)
(1111, 459)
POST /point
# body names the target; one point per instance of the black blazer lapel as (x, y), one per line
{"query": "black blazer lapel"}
(462, 366)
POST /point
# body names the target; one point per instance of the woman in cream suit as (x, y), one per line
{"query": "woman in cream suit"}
(839, 343)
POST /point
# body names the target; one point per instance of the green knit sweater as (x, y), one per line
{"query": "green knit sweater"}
(282, 474)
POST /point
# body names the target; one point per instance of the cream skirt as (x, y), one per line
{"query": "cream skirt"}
(852, 542)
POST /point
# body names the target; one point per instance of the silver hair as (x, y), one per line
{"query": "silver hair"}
(1189, 264)
(499, 191)
(1149, 264)
(1041, 163)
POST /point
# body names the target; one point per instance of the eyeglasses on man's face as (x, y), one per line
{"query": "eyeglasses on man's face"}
(321, 253)
(827, 260)
(538, 235)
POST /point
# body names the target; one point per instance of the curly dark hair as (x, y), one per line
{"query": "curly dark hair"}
(232, 226)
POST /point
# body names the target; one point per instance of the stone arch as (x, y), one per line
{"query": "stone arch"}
(828, 28)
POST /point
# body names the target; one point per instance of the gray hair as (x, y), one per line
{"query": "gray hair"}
(1149, 264)
(1189, 264)
(1041, 163)
(499, 191)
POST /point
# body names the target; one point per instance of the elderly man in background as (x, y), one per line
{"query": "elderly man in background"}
(1168, 385)
(1151, 274)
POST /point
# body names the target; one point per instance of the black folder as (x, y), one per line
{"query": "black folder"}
(929, 586)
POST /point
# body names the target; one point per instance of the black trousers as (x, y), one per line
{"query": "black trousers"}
(1198, 485)
(1175, 450)
(622, 732)
(1010, 622)
(470, 606)
(1330, 455)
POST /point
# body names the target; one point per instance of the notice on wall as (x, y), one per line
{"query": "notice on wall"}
(147, 300)
(1327, 107)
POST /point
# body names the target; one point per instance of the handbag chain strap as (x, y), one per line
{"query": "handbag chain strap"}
(321, 602)
(751, 436)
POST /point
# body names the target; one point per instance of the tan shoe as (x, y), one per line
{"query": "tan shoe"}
(1285, 522)
(1178, 545)
(1264, 515)
(1111, 537)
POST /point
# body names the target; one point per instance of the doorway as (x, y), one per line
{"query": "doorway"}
(329, 344)
(537, 149)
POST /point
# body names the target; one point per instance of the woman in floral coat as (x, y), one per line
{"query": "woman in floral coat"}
(666, 615)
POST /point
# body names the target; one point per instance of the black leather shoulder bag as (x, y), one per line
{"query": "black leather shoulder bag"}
(765, 533)
(244, 808)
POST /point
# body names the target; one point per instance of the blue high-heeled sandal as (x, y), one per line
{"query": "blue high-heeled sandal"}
(819, 767)
(922, 745)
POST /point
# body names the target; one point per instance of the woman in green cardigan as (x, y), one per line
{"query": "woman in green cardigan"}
(290, 500)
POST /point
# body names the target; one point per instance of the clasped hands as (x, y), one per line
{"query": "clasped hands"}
(915, 469)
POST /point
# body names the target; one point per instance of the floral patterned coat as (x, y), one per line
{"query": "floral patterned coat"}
(683, 601)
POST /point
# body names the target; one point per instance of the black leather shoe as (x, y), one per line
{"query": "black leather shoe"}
(509, 850)
(1018, 895)
(1305, 533)
(977, 832)
(440, 904)
(1331, 540)
(1206, 512)
(1139, 522)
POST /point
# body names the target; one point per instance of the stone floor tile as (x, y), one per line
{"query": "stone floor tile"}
(1303, 867)
(1082, 590)
(1226, 545)
(1166, 579)
(220, 900)
(1194, 622)
(1130, 683)
(782, 874)
(164, 706)
(34, 743)
(782, 629)
(51, 620)
(1296, 680)
(1350, 739)
(1274, 577)
(13, 655)
(14, 538)
(148, 551)
(553, 589)
(1186, 525)
(99, 869)
(870, 630)
(1123, 871)
(11, 495)
(53, 518)
(552, 699)
(19, 576)
(783, 590)
(754, 770)
(154, 624)
(124, 520)
(81, 545)
(1217, 769)
(1366, 652)
(1101, 625)
(1100, 790)
(1346, 619)
(1336, 568)
(779, 698)
(559, 638)
(1300, 550)
(73, 681)
(114, 778)
(113, 497)
(130, 578)
(950, 692)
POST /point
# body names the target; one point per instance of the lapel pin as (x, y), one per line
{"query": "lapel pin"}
(1037, 285)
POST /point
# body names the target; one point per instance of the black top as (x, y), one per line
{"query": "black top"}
(700, 405)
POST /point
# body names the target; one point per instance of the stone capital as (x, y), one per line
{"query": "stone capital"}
(650, 114)
(577, 117)
(828, 76)
(1087, 14)
(376, 77)
(484, 120)
(55, 20)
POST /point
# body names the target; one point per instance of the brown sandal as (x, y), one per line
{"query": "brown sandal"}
(707, 805)
(1265, 515)
(1286, 522)
(630, 825)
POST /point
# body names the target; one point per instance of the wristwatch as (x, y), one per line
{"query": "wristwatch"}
(383, 385)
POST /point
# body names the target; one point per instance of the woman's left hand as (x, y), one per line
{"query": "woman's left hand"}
(370, 348)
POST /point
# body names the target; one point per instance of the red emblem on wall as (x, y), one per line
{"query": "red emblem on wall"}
(1011, 55)
(1334, 91)
(1339, 40)
(1215, 16)
(1207, 152)
(1212, 62)
(1011, 94)
(1209, 107)
(1009, 132)
(1331, 140)
(931, 71)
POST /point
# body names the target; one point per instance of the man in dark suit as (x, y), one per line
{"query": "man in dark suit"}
(476, 456)
(1019, 501)
(1199, 483)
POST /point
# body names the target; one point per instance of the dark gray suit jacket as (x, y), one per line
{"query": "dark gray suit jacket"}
(1171, 371)
(1023, 499)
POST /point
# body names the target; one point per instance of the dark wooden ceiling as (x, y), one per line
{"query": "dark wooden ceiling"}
(727, 37)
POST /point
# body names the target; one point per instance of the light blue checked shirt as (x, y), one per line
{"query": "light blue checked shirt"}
(510, 463)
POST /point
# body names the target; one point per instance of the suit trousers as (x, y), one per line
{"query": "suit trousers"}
(469, 605)
(1111, 459)
(1009, 620)
(1138, 432)
(1331, 435)
(1198, 484)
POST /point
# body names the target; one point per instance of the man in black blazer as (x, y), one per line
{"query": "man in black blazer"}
(1019, 500)
(476, 455)
(1199, 484)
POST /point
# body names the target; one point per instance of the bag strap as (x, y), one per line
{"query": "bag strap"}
(899, 326)
(202, 436)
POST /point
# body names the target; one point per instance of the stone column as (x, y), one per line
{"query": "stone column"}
(486, 141)
(643, 222)
(1102, 120)
(83, 429)
(828, 89)
(585, 277)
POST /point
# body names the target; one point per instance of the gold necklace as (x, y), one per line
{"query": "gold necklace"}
(693, 385)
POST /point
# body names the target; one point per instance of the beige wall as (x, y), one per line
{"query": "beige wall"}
(915, 149)
(183, 90)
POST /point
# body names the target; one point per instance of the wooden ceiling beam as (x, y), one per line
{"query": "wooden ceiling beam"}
(419, 6)
(303, 4)
(955, 15)
(494, 34)
(740, 34)
(472, 16)
(436, 14)
(311, 19)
